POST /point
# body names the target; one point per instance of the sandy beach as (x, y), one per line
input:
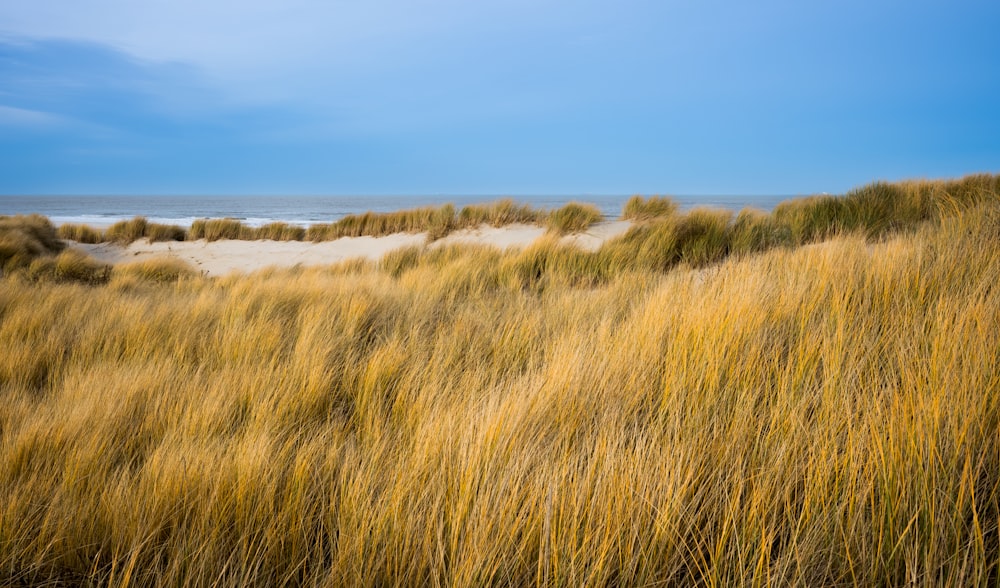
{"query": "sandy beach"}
(217, 258)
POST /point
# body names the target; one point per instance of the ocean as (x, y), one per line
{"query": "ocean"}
(102, 211)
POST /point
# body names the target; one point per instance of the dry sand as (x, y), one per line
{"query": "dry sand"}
(218, 258)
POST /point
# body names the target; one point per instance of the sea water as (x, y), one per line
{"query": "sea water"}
(102, 211)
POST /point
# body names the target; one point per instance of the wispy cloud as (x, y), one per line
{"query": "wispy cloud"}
(24, 118)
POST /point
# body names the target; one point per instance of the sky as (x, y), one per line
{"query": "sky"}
(490, 97)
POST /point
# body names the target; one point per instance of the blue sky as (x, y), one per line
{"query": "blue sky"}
(493, 97)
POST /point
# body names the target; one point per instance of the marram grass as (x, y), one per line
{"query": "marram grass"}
(876, 209)
(821, 415)
(574, 217)
(436, 221)
(638, 208)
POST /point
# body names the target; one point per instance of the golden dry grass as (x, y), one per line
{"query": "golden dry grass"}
(499, 213)
(125, 232)
(573, 218)
(436, 221)
(24, 238)
(80, 233)
(824, 415)
(641, 209)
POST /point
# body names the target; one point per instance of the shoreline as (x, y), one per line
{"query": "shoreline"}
(226, 256)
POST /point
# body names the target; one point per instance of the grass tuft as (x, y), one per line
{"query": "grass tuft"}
(648, 246)
(703, 236)
(437, 221)
(74, 266)
(280, 232)
(125, 232)
(574, 217)
(69, 266)
(158, 232)
(161, 270)
(638, 208)
(399, 260)
(498, 214)
(811, 219)
(24, 238)
(80, 233)
(754, 231)
(218, 229)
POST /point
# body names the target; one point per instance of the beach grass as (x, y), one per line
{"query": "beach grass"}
(218, 229)
(125, 232)
(80, 233)
(500, 213)
(875, 209)
(161, 270)
(754, 230)
(23, 238)
(698, 402)
(437, 221)
(160, 232)
(279, 231)
(68, 266)
(639, 208)
(574, 217)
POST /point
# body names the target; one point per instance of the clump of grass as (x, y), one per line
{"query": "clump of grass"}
(698, 238)
(128, 231)
(440, 222)
(399, 260)
(160, 270)
(436, 220)
(80, 233)
(881, 208)
(811, 219)
(460, 270)
(648, 246)
(500, 213)
(24, 238)
(218, 229)
(573, 218)
(69, 266)
(72, 265)
(548, 264)
(754, 231)
(703, 236)
(638, 208)
(160, 232)
(279, 231)
(317, 232)
(230, 228)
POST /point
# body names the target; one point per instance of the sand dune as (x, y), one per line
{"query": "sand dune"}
(218, 258)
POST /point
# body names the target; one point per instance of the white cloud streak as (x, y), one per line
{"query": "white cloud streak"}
(238, 37)
(23, 118)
